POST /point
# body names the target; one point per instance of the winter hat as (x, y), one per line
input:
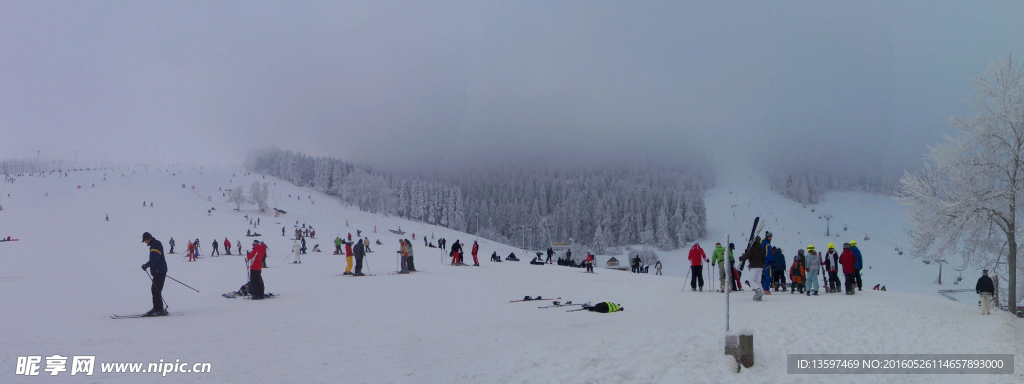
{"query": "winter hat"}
(767, 235)
(984, 272)
(846, 245)
(146, 236)
(254, 242)
(696, 243)
(799, 252)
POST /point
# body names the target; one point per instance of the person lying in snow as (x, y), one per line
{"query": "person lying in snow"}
(512, 257)
(536, 261)
(495, 257)
(605, 307)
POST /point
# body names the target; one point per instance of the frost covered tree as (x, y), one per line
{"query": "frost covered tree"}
(237, 196)
(258, 194)
(662, 235)
(967, 200)
(600, 241)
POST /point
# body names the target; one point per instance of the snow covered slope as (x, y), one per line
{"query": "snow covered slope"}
(71, 270)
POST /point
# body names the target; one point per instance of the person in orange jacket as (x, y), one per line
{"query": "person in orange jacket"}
(797, 274)
(476, 248)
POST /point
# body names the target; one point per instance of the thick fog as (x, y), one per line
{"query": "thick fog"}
(860, 85)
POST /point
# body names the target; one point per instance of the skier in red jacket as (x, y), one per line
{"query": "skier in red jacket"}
(227, 247)
(476, 247)
(255, 260)
(848, 260)
(697, 266)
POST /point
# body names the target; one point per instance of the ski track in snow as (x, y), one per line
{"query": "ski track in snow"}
(71, 270)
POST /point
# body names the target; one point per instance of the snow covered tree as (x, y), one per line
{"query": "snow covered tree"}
(661, 234)
(600, 242)
(237, 196)
(258, 195)
(967, 201)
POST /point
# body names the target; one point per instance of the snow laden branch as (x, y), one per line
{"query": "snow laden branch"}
(966, 201)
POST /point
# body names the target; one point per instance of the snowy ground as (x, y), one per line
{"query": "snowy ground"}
(71, 270)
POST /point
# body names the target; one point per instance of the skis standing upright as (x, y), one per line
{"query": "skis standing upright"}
(754, 231)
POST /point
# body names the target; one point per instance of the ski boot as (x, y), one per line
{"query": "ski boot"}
(815, 293)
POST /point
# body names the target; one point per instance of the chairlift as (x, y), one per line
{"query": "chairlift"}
(844, 227)
(866, 237)
(812, 209)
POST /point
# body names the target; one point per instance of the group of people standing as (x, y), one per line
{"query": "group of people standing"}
(768, 267)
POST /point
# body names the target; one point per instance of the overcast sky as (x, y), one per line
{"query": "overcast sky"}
(436, 84)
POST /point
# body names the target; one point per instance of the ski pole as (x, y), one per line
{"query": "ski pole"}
(182, 283)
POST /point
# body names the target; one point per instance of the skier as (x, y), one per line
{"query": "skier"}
(192, 252)
(358, 250)
(590, 262)
(337, 245)
(442, 243)
(366, 243)
(849, 261)
(797, 273)
(779, 271)
(238, 243)
(348, 257)
(403, 256)
(159, 273)
(831, 262)
(568, 256)
(717, 257)
(696, 266)
(215, 248)
(755, 257)
(295, 253)
(282, 231)
(812, 265)
(108, 216)
(657, 268)
(476, 248)
(411, 265)
(769, 259)
(227, 247)
(858, 264)
(303, 248)
(605, 307)
(550, 253)
(171, 242)
(986, 289)
(255, 259)
(455, 253)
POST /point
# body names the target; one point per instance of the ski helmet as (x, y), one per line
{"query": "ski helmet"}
(846, 245)
(810, 247)
(831, 246)
(767, 235)
(853, 243)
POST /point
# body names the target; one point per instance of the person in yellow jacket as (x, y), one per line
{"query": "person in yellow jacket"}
(605, 307)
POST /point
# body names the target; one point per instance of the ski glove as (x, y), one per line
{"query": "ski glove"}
(144, 266)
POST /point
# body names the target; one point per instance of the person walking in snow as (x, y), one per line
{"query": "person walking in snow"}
(295, 253)
(858, 264)
(282, 231)
(812, 265)
(358, 250)
(831, 263)
(696, 266)
(849, 261)
(476, 248)
(158, 272)
(657, 268)
(551, 252)
(171, 242)
(215, 250)
(779, 270)
(717, 258)
(366, 244)
(985, 289)
(227, 247)
(797, 273)
(255, 259)
(754, 258)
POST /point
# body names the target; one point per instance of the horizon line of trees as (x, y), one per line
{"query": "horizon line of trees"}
(603, 207)
(808, 187)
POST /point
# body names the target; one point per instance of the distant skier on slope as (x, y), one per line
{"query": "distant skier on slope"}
(476, 248)
(986, 289)
(215, 250)
(411, 265)
(337, 245)
(158, 272)
(696, 257)
(551, 252)
(171, 242)
(348, 257)
(227, 247)
(295, 253)
(657, 268)
(456, 253)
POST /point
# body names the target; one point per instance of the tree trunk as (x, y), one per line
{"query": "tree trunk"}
(1011, 263)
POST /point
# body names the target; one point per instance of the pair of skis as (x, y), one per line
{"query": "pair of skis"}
(528, 298)
(556, 304)
(145, 315)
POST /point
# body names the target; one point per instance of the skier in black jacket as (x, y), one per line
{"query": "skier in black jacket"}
(986, 289)
(358, 251)
(159, 273)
